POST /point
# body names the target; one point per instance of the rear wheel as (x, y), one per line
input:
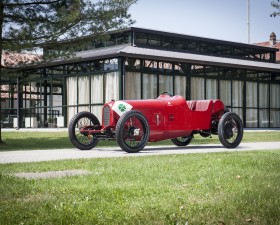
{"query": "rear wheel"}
(230, 130)
(132, 131)
(182, 141)
(77, 131)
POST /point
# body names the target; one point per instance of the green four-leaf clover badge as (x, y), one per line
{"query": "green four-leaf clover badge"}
(122, 107)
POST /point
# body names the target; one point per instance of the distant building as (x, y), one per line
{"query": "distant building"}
(274, 43)
(138, 63)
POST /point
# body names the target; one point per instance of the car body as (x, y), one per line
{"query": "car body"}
(133, 123)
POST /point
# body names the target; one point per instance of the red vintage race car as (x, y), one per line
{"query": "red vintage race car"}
(133, 123)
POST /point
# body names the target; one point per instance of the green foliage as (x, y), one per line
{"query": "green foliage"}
(31, 23)
(276, 4)
(220, 188)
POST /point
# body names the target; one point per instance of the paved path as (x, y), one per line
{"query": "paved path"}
(59, 154)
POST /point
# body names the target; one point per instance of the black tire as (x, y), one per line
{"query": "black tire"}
(226, 110)
(204, 134)
(132, 131)
(182, 141)
(230, 130)
(83, 141)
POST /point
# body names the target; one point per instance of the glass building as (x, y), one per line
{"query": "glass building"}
(138, 63)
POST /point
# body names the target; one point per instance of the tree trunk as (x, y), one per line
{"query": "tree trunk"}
(1, 29)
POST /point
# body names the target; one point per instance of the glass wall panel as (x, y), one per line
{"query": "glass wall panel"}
(251, 118)
(167, 42)
(84, 108)
(83, 90)
(274, 96)
(180, 85)
(225, 92)
(197, 88)
(239, 112)
(71, 111)
(72, 91)
(8, 105)
(132, 85)
(111, 86)
(275, 118)
(154, 40)
(58, 105)
(264, 76)
(141, 38)
(96, 91)
(251, 94)
(165, 84)
(263, 95)
(149, 86)
(71, 97)
(83, 93)
(211, 89)
(164, 67)
(237, 93)
(264, 118)
(150, 65)
(111, 64)
(97, 111)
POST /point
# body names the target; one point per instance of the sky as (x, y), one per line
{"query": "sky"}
(217, 19)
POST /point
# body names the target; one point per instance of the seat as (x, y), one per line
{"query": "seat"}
(192, 104)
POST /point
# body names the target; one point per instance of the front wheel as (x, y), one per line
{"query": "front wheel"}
(182, 141)
(230, 130)
(78, 129)
(132, 131)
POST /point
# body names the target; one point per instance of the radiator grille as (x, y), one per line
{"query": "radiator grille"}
(106, 116)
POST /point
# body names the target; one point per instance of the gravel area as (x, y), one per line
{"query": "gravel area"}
(51, 174)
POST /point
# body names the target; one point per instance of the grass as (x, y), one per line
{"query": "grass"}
(217, 188)
(57, 140)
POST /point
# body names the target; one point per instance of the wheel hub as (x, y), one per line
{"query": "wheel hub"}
(136, 132)
(229, 129)
(133, 131)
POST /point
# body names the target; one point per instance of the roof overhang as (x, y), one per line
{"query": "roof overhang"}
(197, 59)
(163, 55)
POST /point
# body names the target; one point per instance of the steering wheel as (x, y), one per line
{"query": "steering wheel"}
(167, 93)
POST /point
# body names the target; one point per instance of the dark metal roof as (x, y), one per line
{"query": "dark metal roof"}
(178, 35)
(202, 39)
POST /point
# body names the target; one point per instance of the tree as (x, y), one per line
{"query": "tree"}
(276, 5)
(26, 25)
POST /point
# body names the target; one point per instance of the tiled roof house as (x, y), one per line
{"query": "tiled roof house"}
(274, 43)
(14, 59)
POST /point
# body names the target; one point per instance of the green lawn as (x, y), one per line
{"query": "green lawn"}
(56, 140)
(217, 188)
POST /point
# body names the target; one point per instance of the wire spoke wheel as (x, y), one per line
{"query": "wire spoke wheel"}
(79, 130)
(133, 134)
(230, 130)
(83, 125)
(132, 131)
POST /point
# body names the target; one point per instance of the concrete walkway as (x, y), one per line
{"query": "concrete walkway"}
(60, 154)
(66, 129)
